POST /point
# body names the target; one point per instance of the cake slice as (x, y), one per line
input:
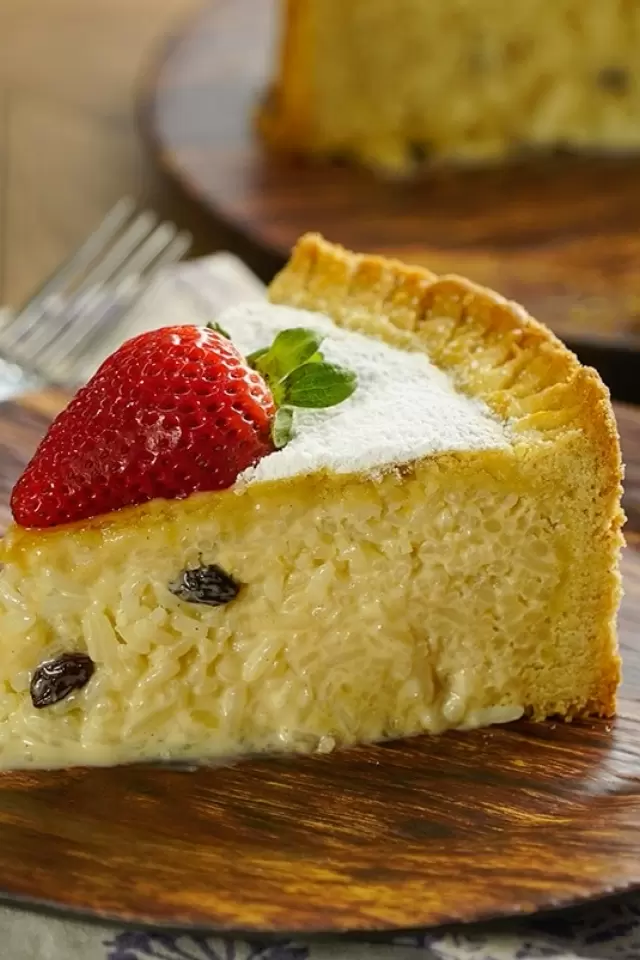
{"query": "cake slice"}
(396, 82)
(437, 550)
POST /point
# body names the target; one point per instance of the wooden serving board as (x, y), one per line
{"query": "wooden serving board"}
(561, 236)
(462, 827)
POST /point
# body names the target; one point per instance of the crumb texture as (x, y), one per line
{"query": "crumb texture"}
(367, 610)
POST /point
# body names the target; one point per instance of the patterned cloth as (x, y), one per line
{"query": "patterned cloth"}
(604, 931)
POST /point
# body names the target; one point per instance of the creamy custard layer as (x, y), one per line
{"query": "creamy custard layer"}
(368, 609)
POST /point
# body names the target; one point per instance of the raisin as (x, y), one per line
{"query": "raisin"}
(208, 584)
(53, 680)
(614, 80)
(419, 151)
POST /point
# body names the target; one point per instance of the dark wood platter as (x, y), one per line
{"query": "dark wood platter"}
(560, 235)
(463, 827)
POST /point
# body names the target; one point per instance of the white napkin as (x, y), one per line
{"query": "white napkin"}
(598, 931)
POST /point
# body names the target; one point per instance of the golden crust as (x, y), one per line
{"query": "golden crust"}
(496, 352)
(491, 347)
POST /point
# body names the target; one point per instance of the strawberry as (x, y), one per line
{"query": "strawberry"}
(171, 412)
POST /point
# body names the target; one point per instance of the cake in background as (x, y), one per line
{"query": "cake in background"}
(396, 82)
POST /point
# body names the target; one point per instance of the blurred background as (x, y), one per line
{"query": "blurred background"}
(69, 145)
(157, 99)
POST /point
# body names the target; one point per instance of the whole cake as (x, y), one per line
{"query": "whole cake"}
(382, 503)
(395, 82)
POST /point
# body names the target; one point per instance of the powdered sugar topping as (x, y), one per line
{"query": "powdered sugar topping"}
(404, 407)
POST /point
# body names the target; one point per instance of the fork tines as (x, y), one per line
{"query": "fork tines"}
(90, 295)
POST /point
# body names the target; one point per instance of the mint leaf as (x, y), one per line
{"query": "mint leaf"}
(254, 357)
(289, 350)
(292, 348)
(213, 325)
(282, 427)
(318, 385)
(298, 376)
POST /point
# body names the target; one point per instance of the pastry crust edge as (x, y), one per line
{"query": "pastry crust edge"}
(542, 379)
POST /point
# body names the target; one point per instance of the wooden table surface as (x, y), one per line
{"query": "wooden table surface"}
(68, 141)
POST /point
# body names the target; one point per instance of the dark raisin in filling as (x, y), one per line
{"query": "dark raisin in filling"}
(54, 680)
(208, 584)
(614, 80)
(419, 151)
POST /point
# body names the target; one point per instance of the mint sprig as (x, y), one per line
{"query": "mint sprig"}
(215, 326)
(282, 427)
(290, 349)
(298, 376)
(318, 385)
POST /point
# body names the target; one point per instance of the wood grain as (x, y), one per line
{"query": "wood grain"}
(403, 835)
(561, 235)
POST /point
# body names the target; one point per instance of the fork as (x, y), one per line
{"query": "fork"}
(87, 298)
